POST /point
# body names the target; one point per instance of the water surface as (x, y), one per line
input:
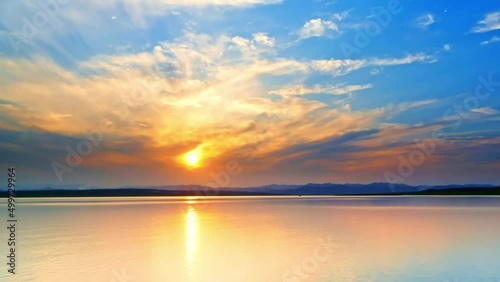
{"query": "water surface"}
(258, 239)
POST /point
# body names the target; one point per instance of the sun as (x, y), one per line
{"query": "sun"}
(192, 158)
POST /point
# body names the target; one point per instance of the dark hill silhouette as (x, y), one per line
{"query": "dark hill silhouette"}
(308, 189)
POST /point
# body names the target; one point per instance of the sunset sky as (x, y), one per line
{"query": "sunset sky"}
(279, 91)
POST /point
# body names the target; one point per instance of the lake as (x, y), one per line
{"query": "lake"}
(274, 239)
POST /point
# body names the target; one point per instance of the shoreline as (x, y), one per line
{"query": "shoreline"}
(134, 192)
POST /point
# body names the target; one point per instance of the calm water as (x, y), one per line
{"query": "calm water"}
(258, 239)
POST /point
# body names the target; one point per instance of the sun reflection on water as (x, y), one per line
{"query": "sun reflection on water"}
(191, 234)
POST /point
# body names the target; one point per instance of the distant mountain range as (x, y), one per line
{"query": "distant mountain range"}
(274, 189)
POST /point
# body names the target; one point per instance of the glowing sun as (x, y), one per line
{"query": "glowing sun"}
(192, 158)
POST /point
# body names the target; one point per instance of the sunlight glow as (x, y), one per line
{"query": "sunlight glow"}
(193, 158)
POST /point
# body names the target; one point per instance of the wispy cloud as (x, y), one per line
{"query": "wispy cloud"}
(490, 22)
(485, 110)
(341, 16)
(425, 20)
(301, 89)
(196, 3)
(342, 67)
(491, 40)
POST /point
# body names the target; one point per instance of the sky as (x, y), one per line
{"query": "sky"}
(249, 92)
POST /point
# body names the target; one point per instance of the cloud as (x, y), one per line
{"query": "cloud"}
(142, 10)
(301, 89)
(242, 43)
(236, 3)
(189, 89)
(491, 40)
(104, 17)
(405, 106)
(376, 71)
(425, 20)
(372, 151)
(259, 43)
(317, 27)
(485, 110)
(341, 16)
(194, 90)
(342, 67)
(490, 22)
(263, 39)
(409, 59)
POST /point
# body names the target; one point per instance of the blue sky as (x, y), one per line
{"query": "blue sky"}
(320, 91)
